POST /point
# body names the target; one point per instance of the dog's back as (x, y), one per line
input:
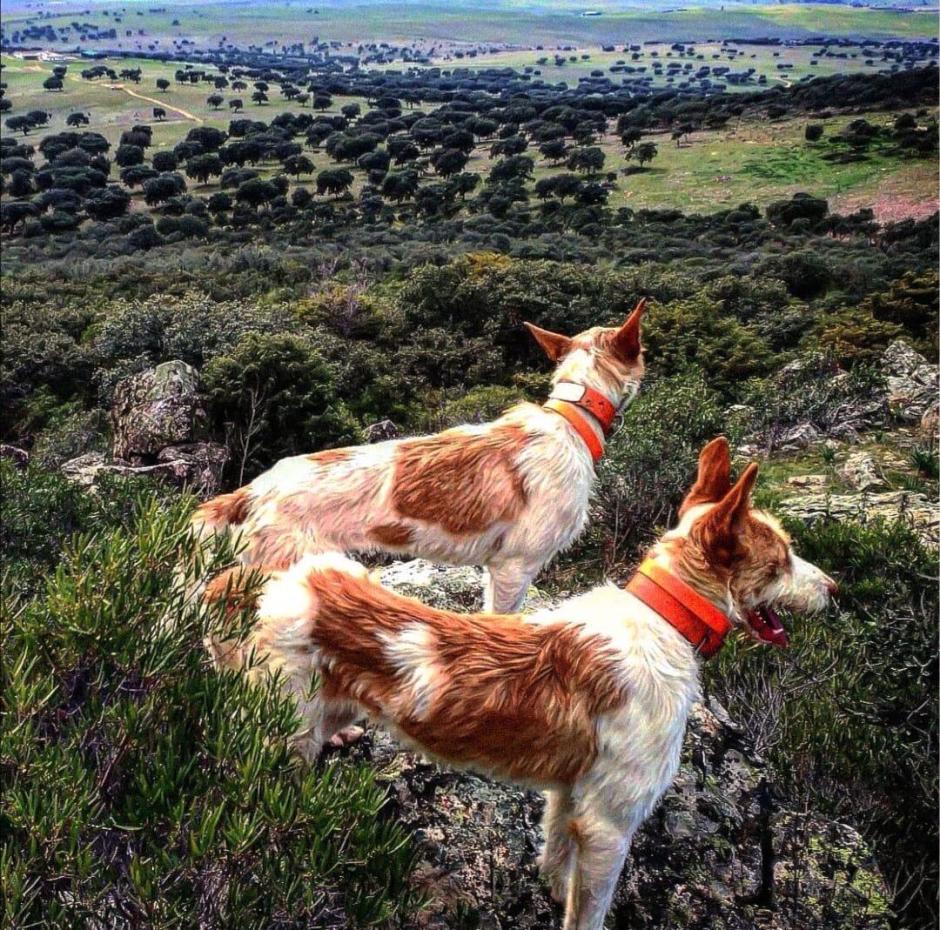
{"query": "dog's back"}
(503, 694)
(507, 495)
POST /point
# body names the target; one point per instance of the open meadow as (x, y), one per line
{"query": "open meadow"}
(746, 161)
(177, 26)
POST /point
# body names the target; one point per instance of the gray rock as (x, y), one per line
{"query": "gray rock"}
(157, 408)
(901, 359)
(380, 431)
(446, 587)
(923, 514)
(911, 382)
(197, 466)
(19, 457)
(807, 481)
(722, 852)
(85, 469)
(799, 437)
(860, 471)
(930, 422)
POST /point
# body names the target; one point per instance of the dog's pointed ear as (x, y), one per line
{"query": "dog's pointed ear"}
(719, 530)
(554, 345)
(626, 341)
(714, 475)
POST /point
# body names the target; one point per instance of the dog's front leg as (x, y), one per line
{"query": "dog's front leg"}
(555, 860)
(506, 585)
(600, 850)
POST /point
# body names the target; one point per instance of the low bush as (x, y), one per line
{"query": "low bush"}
(849, 712)
(647, 467)
(274, 396)
(142, 788)
(813, 390)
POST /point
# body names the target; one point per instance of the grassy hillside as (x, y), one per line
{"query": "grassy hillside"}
(466, 23)
(748, 161)
(786, 238)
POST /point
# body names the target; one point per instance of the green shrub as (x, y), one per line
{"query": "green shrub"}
(912, 302)
(41, 350)
(649, 464)
(806, 273)
(40, 510)
(851, 336)
(142, 788)
(134, 335)
(849, 711)
(274, 395)
(482, 404)
(812, 390)
(697, 332)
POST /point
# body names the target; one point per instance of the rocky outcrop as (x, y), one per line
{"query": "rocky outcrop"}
(861, 472)
(15, 455)
(155, 409)
(911, 382)
(380, 431)
(922, 513)
(158, 421)
(724, 851)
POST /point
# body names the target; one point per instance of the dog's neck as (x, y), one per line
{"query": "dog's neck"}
(682, 561)
(581, 367)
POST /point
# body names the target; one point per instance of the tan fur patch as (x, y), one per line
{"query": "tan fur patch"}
(514, 698)
(276, 547)
(237, 586)
(225, 509)
(392, 534)
(330, 456)
(463, 482)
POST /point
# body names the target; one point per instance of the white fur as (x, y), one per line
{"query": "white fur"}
(805, 587)
(638, 743)
(341, 501)
(412, 653)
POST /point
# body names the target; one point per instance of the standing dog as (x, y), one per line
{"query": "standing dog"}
(587, 701)
(507, 495)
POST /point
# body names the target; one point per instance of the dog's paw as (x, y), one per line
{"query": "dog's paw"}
(345, 737)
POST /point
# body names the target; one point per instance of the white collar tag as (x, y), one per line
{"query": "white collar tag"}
(568, 390)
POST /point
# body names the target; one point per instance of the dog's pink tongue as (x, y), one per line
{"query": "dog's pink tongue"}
(766, 624)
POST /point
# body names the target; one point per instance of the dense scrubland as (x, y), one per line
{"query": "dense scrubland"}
(144, 789)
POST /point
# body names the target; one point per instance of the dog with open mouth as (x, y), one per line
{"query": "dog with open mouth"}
(587, 701)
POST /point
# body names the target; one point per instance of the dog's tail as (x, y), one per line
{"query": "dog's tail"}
(289, 605)
(221, 512)
(292, 594)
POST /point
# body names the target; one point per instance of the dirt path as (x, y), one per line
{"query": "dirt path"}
(133, 93)
(159, 103)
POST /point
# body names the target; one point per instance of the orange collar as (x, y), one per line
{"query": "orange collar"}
(581, 426)
(587, 399)
(568, 398)
(694, 616)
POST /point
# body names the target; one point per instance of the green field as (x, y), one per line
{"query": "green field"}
(113, 108)
(747, 161)
(764, 59)
(442, 25)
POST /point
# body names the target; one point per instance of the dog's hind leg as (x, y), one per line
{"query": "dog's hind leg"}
(600, 850)
(506, 585)
(555, 860)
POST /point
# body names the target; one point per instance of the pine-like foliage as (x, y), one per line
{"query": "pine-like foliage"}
(141, 788)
